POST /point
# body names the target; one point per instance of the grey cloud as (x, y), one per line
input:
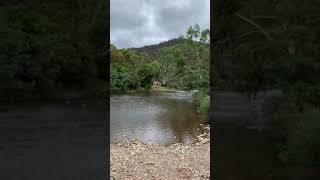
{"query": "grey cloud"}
(135, 23)
(125, 15)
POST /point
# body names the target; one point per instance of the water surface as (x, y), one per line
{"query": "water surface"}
(154, 117)
(243, 149)
(53, 140)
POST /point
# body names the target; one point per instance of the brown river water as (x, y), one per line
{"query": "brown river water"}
(53, 140)
(242, 147)
(155, 117)
(67, 139)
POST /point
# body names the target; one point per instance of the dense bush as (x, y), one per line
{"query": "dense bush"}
(295, 131)
(122, 79)
(303, 137)
(202, 102)
(42, 51)
(147, 73)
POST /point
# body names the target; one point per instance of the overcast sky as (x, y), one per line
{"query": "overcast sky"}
(136, 23)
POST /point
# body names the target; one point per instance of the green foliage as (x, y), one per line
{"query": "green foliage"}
(295, 131)
(130, 73)
(266, 44)
(122, 79)
(304, 139)
(300, 136)
(42, 50)
(147, 73)
(183, 65)
(202, 102)
(274, 44)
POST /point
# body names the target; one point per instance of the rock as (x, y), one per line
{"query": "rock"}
(137, 160)
(204, 141)
(148, 163)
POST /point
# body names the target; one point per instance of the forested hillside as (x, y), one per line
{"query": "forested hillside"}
(154, 50)
(181, 64)
(51, 46)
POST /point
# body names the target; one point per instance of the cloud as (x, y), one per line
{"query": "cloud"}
(136, 23)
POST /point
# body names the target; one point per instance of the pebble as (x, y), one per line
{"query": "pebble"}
(136, 160)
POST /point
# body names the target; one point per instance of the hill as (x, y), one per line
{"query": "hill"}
(153, 50)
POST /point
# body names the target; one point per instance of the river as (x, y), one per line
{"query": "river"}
(66, 139)
(155, 117)
(53, 140)
(243, 149)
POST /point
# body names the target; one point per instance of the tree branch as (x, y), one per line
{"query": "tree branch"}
(193, 71)
(256, 25)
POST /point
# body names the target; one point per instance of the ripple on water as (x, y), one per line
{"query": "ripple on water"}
(158, 117)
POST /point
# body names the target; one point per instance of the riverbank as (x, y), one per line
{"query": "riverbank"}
(141, 90)
(162, 88)
(138, 160)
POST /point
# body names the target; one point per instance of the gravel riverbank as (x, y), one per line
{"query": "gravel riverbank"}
(137, 160)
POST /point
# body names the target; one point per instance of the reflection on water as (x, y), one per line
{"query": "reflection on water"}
(246, 153)
(53, 140)
(154, 117)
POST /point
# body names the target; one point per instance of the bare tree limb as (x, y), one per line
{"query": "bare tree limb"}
(247, 33)
(193, 71)
(256, 25)
(264, 17)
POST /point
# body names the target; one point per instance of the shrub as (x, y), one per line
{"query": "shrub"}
(147, 73)
(296, 133)
(202, 102)
(304, 138)
(122, 79)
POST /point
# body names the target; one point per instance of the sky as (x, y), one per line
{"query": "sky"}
(136, 23)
